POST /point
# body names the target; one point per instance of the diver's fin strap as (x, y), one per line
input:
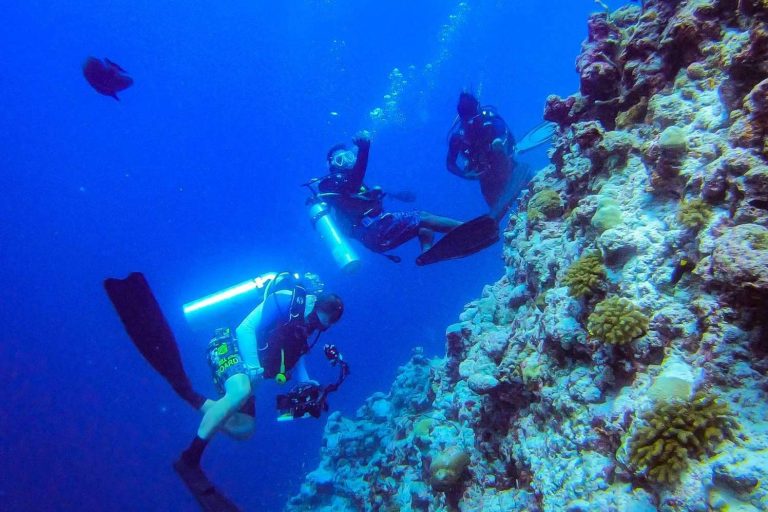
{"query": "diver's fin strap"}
(539, 135)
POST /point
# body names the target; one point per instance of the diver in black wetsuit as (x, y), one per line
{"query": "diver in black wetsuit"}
(359, 210)
(481, 147)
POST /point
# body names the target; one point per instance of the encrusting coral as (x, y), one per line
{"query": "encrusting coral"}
(608, 214)
(617, 321)
(585, 276)
(677, 432)
(545, 204)
(447, 468)
(695, 213)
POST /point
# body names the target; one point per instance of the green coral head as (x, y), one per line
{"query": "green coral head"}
(586, 275)
(617, 321)
(675, 432)
(694, 214)
(608, 214)
(545, 204)
(673, 140)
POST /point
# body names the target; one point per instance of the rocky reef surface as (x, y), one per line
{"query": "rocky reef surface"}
(620, 362)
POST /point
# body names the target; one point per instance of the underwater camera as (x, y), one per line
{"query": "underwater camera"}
(309, 399)
(305, 399)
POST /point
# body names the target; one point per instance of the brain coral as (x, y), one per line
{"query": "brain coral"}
(585, 275)
(676, 432)
(617, 321)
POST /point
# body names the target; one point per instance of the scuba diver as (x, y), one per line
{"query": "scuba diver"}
(268, 344)
(481, 147)
(358, 210)
(482, 141)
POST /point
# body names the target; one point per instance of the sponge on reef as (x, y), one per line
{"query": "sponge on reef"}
(676, 432)
(617, 321)
(585, 275)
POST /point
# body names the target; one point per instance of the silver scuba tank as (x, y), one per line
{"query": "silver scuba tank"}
(341, 250)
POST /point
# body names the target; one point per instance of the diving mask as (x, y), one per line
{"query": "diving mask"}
(344, 159)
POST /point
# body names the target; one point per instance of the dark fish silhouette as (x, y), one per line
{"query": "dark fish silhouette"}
(106, 77)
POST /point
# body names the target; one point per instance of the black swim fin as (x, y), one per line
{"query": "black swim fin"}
(463, 240)
(147, 327)
(206, 494)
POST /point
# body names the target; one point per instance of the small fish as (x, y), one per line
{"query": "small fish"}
(106, 77)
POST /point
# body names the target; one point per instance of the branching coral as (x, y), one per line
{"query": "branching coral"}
(585, 276)
(545, 204)
(694, 214)
(678, 431)
(617, 321)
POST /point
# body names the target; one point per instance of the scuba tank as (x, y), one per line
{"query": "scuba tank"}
(322, 220)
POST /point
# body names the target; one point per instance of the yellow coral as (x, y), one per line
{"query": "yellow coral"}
(545, 204)
(617, 321)
(585, 275)
(676, 432)
(694, 214)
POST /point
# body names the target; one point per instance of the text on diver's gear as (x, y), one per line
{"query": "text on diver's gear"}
(308, 399)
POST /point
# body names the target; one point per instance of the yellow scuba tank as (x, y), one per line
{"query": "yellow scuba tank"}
(341, 250)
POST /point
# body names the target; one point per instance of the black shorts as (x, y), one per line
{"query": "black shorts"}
(224, 358)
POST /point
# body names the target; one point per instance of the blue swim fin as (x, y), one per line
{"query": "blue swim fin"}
(539, 135)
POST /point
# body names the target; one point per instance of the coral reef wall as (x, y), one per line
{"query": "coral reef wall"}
(620, 363)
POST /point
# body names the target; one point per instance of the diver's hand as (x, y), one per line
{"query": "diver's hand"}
(362, 139)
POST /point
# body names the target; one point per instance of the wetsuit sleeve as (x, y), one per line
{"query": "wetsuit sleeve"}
(356, 175)
(454, 146)
(246, 338)
(299, 373)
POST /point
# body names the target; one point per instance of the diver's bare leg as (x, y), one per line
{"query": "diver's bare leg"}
(437, 223)
(426, 238)
(237, 389)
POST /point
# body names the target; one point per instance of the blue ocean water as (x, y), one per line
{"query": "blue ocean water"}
(194, 179)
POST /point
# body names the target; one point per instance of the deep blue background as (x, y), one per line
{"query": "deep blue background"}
(193, 178)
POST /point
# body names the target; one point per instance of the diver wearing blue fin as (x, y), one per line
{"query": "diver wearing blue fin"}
(481, 147)
(268, 343)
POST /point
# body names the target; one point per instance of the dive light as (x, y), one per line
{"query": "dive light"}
(228, 293)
